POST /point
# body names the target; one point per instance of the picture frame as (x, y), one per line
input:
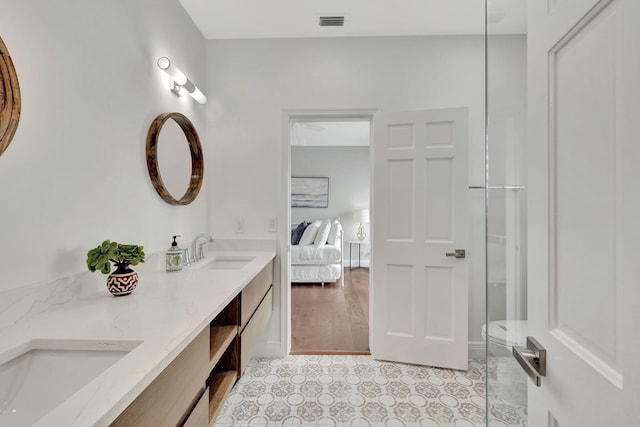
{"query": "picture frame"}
(309, 192)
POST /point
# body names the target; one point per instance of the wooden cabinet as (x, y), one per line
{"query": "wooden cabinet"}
(254, 293)
(256, 301)
(199, 417)
(251, 334)
(192, 389)
(166, 401)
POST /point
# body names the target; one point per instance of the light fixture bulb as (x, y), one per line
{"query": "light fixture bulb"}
(195, 93)
(179, 81)
(164, 63)
(198, 96)
(174, 72)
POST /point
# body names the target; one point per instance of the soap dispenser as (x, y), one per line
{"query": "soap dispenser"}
(174, 256)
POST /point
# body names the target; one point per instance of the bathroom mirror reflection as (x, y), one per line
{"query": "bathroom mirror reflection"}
(174, 158)
(168, 159)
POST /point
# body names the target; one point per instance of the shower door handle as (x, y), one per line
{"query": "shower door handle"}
(533, 359)
(459, 253)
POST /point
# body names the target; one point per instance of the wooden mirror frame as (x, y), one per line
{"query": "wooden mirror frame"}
(197, 162)
(9, 98)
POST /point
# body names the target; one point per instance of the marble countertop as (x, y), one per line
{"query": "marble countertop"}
(160, 318)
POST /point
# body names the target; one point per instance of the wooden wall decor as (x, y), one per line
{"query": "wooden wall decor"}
(197, 161)
(9, 98)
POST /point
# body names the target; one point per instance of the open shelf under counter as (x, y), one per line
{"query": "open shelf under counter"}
(220, 384)
(221, 337)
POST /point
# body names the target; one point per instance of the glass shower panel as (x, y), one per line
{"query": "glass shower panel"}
(506, 199)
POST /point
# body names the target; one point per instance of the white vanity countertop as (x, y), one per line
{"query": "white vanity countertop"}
(164, 313)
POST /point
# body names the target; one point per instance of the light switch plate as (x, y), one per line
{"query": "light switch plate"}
(273, 225)
(240, 225)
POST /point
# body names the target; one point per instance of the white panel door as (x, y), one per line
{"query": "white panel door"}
(419, 214)
(584, 210)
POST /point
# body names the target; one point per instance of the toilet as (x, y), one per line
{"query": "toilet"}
(503, 335)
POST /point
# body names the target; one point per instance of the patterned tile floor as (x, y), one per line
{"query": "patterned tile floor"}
(507, 393)
(359, 391)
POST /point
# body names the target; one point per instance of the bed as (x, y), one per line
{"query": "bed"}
(318, 255)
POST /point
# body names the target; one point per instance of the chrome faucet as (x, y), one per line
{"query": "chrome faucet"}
(197, 251)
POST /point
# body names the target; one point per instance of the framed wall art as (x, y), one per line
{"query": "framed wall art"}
(309, 192)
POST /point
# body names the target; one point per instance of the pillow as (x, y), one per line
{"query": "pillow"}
(297, 233)
(335, 233)
(323, 233)
(310, 232)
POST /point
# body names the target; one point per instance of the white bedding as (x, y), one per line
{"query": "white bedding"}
(318, 273)
(318, 264)
(311, 254)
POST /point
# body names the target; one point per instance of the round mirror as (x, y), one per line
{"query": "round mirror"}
(174, 158)
(166, 151)
(9, 98)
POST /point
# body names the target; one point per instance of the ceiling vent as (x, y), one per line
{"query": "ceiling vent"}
(331, 21)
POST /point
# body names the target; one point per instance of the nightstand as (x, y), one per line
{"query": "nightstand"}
(359, 244)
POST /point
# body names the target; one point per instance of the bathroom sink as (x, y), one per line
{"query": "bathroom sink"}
(45, 373)
(228, 262)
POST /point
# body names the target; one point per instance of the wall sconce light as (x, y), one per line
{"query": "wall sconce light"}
(179, 82)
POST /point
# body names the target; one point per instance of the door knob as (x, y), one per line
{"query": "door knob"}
(533, 359)
(459, 253)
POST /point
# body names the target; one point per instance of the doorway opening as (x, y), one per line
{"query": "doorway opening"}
(329, 190)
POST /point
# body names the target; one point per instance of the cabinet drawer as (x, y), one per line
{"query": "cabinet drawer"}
(199, 417)
(253, 331)
(253, 293)
(169, 398)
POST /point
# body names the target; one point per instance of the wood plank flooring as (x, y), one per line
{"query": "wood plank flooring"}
(332, 319)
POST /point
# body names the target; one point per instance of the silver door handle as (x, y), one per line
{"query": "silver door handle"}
(459, 253)
(533, 359)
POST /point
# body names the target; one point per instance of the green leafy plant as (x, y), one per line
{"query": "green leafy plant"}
(98, 258)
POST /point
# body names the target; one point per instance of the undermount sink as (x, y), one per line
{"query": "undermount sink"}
(42, 374)
(228, 262)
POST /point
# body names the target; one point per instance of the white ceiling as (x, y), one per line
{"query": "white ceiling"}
(241, 19)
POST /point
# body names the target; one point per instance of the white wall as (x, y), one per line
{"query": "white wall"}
(251, 83)
(75, 173)
(348, 171)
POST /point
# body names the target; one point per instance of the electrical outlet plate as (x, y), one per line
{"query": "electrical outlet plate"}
(240, 225)
(273, 225)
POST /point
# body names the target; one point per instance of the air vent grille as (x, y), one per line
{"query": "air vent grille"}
(331, 21)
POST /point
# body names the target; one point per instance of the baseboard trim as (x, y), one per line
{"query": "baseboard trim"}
(274, 349)
(331, 352)
(271, 349)
(476, 350)
(363, 264)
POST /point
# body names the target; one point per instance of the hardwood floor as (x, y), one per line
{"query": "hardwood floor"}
(332, 319)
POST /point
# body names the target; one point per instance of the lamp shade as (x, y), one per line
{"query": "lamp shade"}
(361, 215)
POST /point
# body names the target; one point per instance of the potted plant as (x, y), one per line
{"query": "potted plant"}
(123, 280)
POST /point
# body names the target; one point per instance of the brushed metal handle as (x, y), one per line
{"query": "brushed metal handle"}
(533, 359)
(459, 253)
